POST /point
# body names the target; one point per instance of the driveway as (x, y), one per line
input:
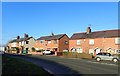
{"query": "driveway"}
(58, 65)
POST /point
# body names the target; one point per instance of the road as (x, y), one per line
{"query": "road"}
(57, 65)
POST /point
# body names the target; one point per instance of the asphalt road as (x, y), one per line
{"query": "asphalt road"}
(57, 65)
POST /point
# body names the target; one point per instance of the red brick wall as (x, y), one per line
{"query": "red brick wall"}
(102, 43)
(62, 45)
(38, 45)
(52, 45)
(45, 45)
(110, 42)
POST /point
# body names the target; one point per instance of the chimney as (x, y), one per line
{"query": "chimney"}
(18, 37)
(52, 34)
(88, 30)
(25, 35)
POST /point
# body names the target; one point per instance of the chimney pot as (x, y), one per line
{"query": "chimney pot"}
(18, 37)
(52, 34)
(88, 30)
(25, 35)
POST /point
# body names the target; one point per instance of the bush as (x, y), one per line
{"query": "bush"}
(33, 49)
(119, 55)
(39, 50)
(65, 53)
(17, 49)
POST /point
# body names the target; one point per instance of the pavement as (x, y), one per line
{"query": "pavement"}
(72, 66)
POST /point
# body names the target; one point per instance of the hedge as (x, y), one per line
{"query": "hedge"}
(77, 55)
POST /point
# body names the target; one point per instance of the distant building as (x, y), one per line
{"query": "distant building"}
(53, 42)
(95, 42)
(25, 43)
(2, 48)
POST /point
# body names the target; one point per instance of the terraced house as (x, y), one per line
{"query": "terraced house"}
(95, 42)
(53, 42)
(25, 43)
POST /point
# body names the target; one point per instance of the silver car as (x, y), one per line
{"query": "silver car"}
(106, 56)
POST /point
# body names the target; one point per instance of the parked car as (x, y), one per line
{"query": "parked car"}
(106, 56)
(46, 52)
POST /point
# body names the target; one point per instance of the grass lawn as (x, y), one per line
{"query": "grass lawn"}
(14, 66)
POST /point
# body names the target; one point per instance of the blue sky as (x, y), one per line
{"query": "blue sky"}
(41, 18)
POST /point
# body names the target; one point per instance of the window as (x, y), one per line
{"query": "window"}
(91, 41)
(78, 42)
(27, 42)
(14, 44)
(79, 50)
(49, 42)
(118, 51)
(117, 40)
(66, 42)
(55, 41)
(41, 41)
(22, 43)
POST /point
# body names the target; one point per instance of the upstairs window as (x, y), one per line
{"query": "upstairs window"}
(117, 40)
(78, 42)
(27, 42)
(41, 41)
(49, 41)
(55, 41)
(22, 43)
(66, 42)
(91, 41)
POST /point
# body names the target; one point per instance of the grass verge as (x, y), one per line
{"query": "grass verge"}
(14, 66)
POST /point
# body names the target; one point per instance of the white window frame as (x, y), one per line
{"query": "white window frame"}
(20, 43)
(78, 42)
(79, 50)
(49, 41)
(55, 41)
(23, 43)
(117, 40)
(91, 41)
(14, 44)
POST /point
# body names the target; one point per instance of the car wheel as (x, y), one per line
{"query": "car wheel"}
(98, 59)
(115, 60)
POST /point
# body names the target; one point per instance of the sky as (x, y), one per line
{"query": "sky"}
(41, 18)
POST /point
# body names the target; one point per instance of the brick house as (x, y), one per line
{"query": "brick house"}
(53, 42)
(95, 42)
(25, 43)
